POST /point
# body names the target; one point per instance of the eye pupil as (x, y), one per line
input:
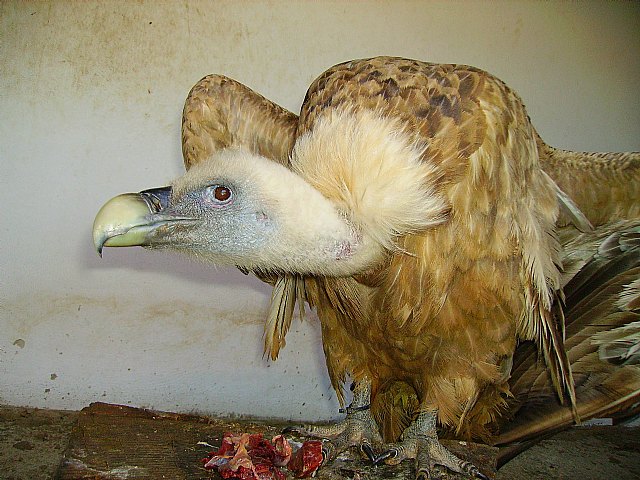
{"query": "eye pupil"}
(222, 193)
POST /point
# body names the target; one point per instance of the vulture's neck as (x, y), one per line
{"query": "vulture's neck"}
(374, 173)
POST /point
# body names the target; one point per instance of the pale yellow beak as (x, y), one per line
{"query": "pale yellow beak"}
(122, 222)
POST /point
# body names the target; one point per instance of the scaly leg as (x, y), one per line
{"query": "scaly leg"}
(420, 442)
(357, 429)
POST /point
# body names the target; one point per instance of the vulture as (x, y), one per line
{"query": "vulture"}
(470, 280)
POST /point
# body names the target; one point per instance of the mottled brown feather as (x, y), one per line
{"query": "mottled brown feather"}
(221, 113)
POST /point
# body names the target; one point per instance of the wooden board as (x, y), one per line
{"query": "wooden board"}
(119, 442)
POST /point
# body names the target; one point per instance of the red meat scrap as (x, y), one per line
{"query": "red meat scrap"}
(250, 457)
(307, 459)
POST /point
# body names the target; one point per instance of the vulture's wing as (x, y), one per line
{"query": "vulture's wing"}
(603, 338)
(606, 186)
(222, 113)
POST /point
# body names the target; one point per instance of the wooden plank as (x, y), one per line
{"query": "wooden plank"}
(119, 442)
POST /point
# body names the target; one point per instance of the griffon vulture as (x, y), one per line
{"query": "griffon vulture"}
(415, 208)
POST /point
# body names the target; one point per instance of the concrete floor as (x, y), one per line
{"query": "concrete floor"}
(32, 443)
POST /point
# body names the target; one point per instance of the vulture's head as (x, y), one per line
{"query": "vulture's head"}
(356, 185)
(238, 208)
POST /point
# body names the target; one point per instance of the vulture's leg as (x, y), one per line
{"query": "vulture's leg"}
(420, 442)
(357, 429)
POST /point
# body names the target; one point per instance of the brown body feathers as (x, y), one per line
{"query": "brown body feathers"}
(440, 165)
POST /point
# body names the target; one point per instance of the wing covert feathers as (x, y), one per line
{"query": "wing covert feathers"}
(221, 113)
(605, 186)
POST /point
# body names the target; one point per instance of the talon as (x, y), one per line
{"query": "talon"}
(391, 453)
(423, 475)
(368, 451)
(473, 470)
(480, 475)
(328, 450)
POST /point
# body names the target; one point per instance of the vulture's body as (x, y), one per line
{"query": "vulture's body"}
(414, 207)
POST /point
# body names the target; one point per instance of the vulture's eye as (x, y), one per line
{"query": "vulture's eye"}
(219, 194)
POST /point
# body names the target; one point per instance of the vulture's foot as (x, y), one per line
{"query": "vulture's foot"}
(420, 442)
(358, 429)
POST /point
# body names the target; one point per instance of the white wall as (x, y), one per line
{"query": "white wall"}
(90, 103)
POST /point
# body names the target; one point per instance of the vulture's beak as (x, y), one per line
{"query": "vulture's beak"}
(128, 219)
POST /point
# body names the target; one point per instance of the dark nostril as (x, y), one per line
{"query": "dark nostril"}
(157, 198)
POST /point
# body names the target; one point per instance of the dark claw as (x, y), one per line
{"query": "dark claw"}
(481, 476)
(328, 449)
(325, 455)
(368, 451)
(423, 475)
(471, 469)
(383, 456)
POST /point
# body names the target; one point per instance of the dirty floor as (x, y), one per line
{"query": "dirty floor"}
(46, 444)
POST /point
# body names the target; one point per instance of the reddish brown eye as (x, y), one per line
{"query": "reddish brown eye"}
(222, 193)
(218, 195)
